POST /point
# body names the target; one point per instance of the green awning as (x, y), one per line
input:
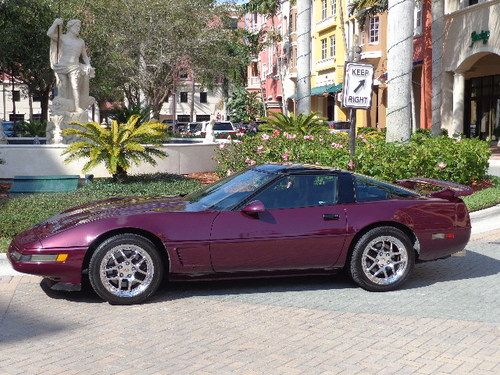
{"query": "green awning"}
(319, 91)
(330, 89)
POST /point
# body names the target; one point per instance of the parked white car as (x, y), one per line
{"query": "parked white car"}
(220, 127)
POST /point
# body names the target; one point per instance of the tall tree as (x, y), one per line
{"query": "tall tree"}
(304, 10)
(25, 46)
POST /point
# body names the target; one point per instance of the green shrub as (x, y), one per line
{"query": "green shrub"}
(462, 161)
(32, 128)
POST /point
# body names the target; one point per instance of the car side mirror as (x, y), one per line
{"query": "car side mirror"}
(254, 208)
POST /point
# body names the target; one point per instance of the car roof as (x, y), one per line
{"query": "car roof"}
(294, 168)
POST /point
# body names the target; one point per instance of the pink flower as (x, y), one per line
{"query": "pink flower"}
(265, 137)
(337, 145)
(249, 161)
(240, 134)
(260, 149)
(276, 133)
(309, 137)
(285, 156)
(441, 165)
(290, 136)
(222, 145)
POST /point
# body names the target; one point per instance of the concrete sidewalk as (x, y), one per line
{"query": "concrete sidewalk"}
(482, 221)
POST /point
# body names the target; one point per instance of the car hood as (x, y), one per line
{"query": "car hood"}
(109, 208)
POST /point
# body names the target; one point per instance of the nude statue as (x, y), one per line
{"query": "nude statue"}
(72, 77)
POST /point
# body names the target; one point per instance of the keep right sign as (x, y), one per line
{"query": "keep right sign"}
(357, 92)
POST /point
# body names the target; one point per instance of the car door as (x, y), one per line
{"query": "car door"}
(303, 227)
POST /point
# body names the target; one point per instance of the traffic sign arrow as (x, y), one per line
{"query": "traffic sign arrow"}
(361, 84)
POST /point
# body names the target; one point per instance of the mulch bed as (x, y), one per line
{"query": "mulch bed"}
(481, 185)
(204, 177)
(4, 188)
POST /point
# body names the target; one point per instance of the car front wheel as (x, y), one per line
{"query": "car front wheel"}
(125, 269)
(382, 259)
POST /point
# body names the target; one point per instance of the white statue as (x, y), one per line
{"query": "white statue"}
(72, 77)
(209, 131)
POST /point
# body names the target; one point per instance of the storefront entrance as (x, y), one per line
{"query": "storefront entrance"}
(482, 107)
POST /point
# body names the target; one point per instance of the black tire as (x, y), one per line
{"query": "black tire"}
(356, 261)
(147, 251)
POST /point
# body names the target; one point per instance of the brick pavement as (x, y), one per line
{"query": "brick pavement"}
(446, 321)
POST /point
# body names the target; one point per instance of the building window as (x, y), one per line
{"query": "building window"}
(200, 118)
(323, 48)
(334, 8)
(324, 9)
(263, 72)
(203, 97)
(16, 95)
(417, 22)
(184, 97)
(332, 46)
(183, 118)
(374, 26)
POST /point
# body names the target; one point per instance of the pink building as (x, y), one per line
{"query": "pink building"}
(264, 72)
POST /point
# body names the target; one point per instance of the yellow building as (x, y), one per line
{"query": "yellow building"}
(328, 57)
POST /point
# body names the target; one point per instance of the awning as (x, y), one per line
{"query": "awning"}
(319, 91)
(327, 89)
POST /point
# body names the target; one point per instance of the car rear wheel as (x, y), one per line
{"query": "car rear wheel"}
(382, 259)
(125, 269)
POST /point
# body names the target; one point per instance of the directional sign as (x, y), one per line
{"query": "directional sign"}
(357, 92)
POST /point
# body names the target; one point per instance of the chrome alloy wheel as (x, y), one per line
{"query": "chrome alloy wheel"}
(384, 260)
(126, 270)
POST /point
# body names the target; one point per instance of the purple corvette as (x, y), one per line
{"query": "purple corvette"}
(270, 220)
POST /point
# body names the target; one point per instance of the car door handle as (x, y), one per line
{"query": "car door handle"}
(327, 217)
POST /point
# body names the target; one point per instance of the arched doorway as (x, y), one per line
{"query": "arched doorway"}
(481, 117)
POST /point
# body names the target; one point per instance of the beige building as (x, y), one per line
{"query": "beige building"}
(471, 68)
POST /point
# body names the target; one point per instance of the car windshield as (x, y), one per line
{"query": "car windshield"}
(228, 192)
(223, 126)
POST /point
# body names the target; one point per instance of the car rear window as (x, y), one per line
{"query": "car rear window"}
(368, 190)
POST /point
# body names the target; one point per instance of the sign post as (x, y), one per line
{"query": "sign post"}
(356, 94)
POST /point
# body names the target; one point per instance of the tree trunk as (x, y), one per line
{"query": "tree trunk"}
(44, 103)
(399, 69)
(120, 175)
(437, 57)
(304, 10)
(30, 104)
(193, 87)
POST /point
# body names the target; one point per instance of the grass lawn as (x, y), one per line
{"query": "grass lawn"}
(19, 213)
(22, 212)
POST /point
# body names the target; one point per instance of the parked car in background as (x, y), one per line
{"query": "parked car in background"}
(221, 128)
(268, 220)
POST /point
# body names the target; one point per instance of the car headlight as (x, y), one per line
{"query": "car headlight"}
(18, 257)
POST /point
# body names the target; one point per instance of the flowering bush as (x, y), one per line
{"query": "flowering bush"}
(440, 157)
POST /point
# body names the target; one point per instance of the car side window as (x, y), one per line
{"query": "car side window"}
(301, 191)
(369, 190)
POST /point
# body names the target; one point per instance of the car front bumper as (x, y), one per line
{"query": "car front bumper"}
(49, 263)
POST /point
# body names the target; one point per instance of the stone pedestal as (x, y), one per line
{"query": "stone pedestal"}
(62, 120)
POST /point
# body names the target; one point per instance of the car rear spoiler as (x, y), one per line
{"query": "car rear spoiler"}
(449, 189)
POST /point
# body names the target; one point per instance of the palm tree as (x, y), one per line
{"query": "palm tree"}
(302, 124)
(304, 10)
(399, 62)
(116, 146)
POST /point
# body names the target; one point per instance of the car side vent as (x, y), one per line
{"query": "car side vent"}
(177, 250)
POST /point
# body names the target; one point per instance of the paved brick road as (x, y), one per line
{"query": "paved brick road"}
(446, 320)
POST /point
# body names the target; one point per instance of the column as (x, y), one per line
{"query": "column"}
(458, 104)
